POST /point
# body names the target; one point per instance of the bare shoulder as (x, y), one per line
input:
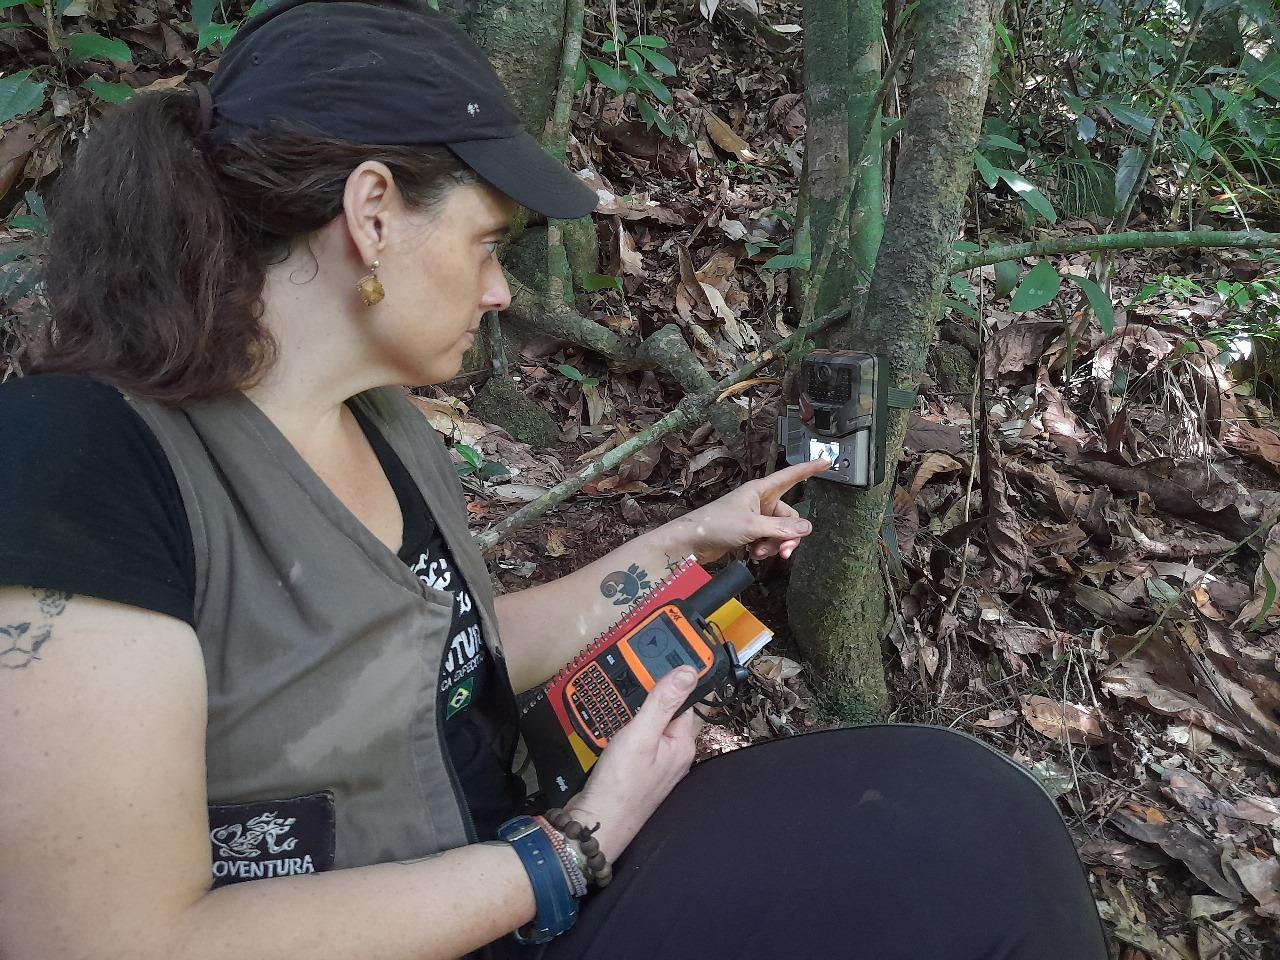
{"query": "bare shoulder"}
(103, 708)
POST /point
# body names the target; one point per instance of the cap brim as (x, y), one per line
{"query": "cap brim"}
(520, 168)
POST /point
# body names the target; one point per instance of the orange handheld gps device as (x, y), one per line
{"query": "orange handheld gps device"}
(572, 719)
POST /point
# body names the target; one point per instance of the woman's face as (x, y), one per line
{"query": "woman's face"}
(441, 276)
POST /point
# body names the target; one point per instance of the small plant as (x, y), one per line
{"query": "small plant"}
(474, 464)
(631, 73)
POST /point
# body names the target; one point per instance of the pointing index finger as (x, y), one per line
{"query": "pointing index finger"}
(778, 483)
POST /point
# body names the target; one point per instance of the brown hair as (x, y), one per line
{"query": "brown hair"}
(160, 243)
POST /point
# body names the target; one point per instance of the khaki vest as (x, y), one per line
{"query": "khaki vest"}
(322, 648)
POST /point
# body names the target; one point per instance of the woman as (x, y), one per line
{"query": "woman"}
(258, 691)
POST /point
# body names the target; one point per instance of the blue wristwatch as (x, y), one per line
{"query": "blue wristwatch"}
(557, 907)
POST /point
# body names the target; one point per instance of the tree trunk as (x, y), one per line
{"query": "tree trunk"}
(826, 151)
(523, 39)
(837, 606)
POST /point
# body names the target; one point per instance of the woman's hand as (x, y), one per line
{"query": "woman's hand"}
(753, 514)
(640, 766)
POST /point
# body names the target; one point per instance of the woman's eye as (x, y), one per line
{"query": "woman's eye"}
(491, 246)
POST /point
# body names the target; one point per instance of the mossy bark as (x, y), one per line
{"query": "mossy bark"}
(523, 39)
(837, 606)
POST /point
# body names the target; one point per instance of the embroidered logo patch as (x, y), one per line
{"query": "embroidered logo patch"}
(460, 697)
(271, 838)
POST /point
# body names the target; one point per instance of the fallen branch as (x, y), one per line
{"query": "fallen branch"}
(1134, 240)
(687, 412)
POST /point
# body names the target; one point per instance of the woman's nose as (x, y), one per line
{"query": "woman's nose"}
(497, 294)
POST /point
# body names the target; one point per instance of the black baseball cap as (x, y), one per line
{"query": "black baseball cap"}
(387, 72)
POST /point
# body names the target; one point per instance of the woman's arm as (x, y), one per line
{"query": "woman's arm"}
(104, 831)
(544, 627)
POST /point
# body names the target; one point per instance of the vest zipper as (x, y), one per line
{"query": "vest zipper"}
(459, 797)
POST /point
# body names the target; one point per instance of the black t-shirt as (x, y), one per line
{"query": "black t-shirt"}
(89, 505)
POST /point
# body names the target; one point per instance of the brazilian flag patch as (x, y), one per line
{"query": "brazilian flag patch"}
(460, 699)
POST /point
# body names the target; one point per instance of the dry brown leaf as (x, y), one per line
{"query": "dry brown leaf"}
(1150, 825)
(1018, 346)
(724, 137)
(1004, 526)
(1262, 879)
(1064, 721)
(630, 260)
(996, 719)
(935, 464)
(1171, 677)
(926, 436)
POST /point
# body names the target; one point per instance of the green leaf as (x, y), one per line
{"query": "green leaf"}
(1039, 287)
(6, 4)
(1199, 147)
(890, 127)
(594, 282)
(609, 46)
(660, 63)
(573, 373)
(655, 88)
(491, 470)
(1003, 34)
(961, 308)
(611, 77)
(1146, 293)
(202, 13)
(580, 75)
(1268, 597)
(633, 59)
(35, 204)
(788, 261)
(19, 95)
(652, 117)
(963, 289)
(215, 33)
(262, 6)
(645, 40)
(1006, 277)
(1029, 195)
(995, 140)
(10, 252)
(1128, 116)
(470, 455)
(1086, 128)
(91, 46)
(985, 169)
(109, 92)
(1127, 171)
(1099, 302)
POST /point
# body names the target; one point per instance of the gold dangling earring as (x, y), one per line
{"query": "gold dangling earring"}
(370, 287)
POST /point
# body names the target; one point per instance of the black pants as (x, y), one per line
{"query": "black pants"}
(877, 843)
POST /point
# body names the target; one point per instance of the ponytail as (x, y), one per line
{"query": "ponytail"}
(147, 284)
(160, 242)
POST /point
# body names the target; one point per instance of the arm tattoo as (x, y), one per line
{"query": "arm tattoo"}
(20, 643)
(624, 587)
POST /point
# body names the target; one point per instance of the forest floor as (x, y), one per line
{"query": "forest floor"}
(1075, 583)
(1080, 566)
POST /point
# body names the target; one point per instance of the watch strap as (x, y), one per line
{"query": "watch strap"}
(557, 907)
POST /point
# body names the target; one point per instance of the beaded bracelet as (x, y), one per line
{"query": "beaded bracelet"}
(597, 868)
(570, 860)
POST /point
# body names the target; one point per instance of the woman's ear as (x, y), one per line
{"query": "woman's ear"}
(370, 203)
